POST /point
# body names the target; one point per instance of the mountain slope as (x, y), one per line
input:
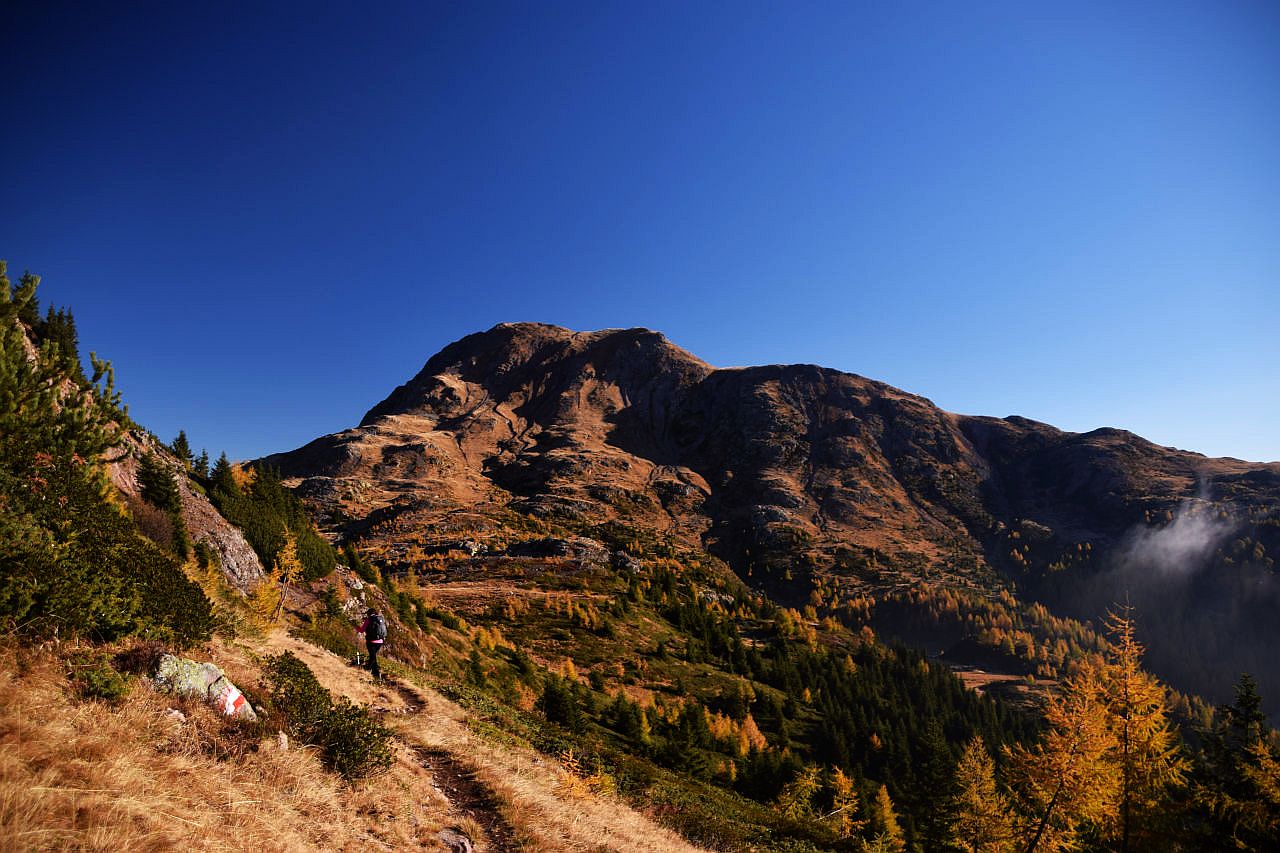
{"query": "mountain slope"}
(798, 476)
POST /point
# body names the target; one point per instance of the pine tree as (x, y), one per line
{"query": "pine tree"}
(160, 488)
(935, 790)
(982, 811)
(24, 298)
(201, 465)
(224, 478)
(182, 448)
(59, 333)
(157, 484)
(1238, 784)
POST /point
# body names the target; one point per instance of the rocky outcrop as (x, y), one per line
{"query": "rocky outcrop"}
(236, 558)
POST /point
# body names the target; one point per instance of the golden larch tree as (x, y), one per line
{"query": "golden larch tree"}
(1147, 752)
(1066, 781)
(844, 805)
(886, 834)
(982, 811)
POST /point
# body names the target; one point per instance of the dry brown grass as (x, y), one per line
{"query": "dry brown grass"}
(85, 776)
(77, 775)
(545, 807)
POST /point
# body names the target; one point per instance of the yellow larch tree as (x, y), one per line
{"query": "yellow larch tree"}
(982, 811)
(1066, 781)
(844, 805)
(1147, 753)
(288, 569)
(886, 833)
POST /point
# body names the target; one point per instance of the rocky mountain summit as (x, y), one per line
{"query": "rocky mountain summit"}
(809, 481)
(765, 466)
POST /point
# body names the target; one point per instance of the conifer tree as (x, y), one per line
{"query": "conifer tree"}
(796, 800)
(288, 568)
(266, 599)
(1238, 784)
(1260, 815)
(59, 332)
(182, 448)
(886, 833)
(223, 477)
(1147, 750)
(159, 487)
(935, 790)
(1066, 780)
(844, 805)
(24, 298)
(982, 811)
(157, 484)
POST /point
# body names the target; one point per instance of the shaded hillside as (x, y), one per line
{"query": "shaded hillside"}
(802, 478)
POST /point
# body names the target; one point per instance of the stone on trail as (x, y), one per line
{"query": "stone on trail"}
(203, 681)
(455, 841)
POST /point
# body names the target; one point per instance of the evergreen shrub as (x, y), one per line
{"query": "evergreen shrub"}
(351, 741)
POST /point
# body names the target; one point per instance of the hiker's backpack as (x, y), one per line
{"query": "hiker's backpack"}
(377, 629)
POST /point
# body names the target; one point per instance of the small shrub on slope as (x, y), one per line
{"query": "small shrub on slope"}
(94, 678)
(351, 741)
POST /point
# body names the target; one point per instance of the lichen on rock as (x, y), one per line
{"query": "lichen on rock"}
(203, 681)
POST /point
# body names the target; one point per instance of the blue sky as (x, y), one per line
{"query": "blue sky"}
(269, 215)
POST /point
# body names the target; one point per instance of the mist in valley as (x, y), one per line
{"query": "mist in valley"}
(1205, 597)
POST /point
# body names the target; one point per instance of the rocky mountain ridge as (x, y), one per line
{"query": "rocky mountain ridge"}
(808, 481)
(763, 465)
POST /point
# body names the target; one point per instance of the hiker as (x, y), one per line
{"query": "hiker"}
(374, 628)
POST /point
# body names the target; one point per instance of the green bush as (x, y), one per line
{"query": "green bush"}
(171, 604)
(296, 697)
(93, 677)
(351, 741)
(355, 744)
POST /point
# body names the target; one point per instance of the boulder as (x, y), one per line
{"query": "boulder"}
(203, 681)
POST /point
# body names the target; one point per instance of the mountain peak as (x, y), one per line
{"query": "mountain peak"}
(622, 423)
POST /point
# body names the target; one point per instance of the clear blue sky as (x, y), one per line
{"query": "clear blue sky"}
(269, 219)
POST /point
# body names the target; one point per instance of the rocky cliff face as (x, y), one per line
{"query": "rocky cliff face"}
(236, 557)
(766, 466)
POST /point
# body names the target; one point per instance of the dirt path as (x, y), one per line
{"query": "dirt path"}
(468, 796)
(514, 796)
